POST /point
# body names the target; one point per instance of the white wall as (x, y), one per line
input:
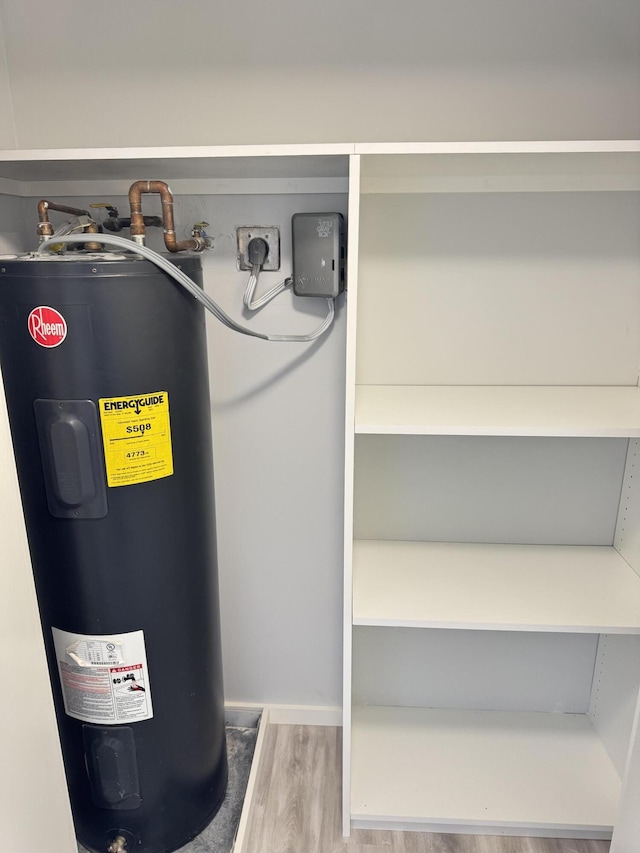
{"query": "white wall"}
(278, 428)
(12, 225)
(159, 72)
(7, 126)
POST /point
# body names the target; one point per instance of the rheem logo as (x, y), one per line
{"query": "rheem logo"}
(47, 326)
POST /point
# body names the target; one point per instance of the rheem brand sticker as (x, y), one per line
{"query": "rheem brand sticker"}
(47, 327)
(136, 433)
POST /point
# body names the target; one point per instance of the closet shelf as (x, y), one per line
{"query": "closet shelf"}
(594, 411)
(555, 588)
(471, 167)
(191, 170)
(488, 771)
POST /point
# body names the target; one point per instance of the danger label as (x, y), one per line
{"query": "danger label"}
(96, 691)
(136, 433)
(47, 327)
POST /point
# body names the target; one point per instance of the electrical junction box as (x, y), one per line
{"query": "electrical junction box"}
(271, 236)
(318, 254)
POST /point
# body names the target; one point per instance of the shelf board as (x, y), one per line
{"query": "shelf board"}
(537, 147)
(557, 588)
(386, 168)
(498, 410)
(536, 773)
(230, 169)
(197, 161)
(501, 167)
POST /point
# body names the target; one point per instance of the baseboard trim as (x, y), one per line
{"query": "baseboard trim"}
(305, 715)
(239, 842)
(288, 715)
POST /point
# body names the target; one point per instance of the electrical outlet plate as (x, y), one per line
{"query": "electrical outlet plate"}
(270, 234)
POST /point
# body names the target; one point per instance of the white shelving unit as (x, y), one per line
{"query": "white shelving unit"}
(492, 530)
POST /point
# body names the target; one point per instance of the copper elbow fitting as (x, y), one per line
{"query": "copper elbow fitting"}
(138, 230)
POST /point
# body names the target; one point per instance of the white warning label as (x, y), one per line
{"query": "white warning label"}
(104, 679)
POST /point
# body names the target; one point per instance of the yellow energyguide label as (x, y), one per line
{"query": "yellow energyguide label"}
(136, 433)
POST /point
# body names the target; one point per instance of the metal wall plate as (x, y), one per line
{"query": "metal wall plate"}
(268, 233)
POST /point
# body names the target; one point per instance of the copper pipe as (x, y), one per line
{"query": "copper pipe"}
(92, 247)
(45, 228)
(138, 230)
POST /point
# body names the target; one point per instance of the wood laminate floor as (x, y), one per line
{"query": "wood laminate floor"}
(296, 807)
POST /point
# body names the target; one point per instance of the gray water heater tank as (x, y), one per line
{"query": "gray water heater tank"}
(104, 363)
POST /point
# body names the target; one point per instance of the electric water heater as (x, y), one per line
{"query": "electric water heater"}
(105, 370)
